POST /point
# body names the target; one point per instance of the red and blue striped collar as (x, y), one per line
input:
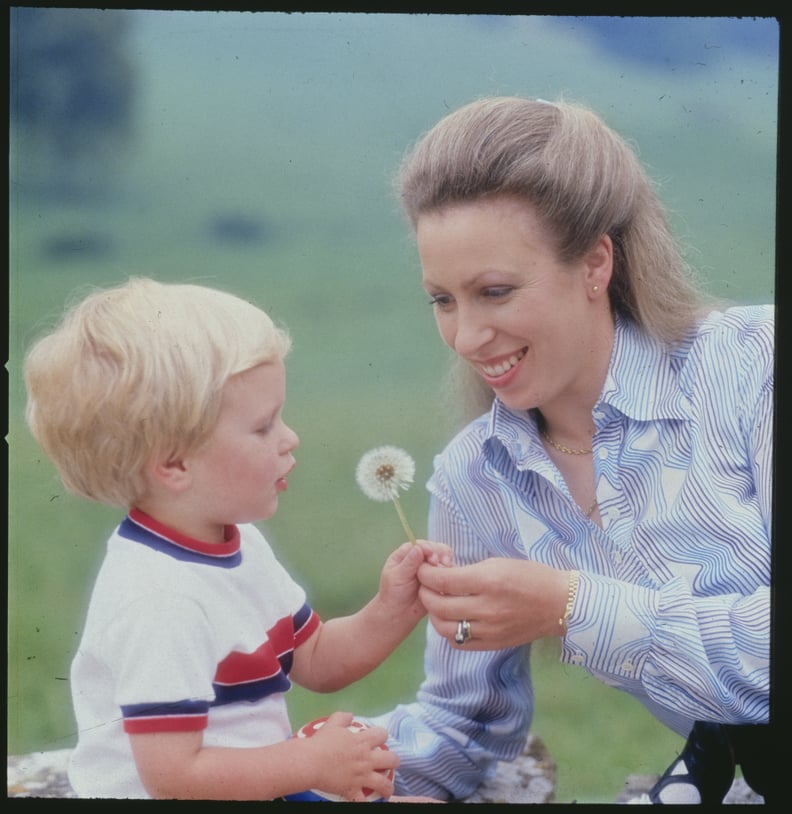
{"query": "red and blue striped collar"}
(142, 528)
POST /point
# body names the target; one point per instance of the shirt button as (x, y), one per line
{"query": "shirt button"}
(617, 557)
(577, 658)
(627, 667)
(603, 454)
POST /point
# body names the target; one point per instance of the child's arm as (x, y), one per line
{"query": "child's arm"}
(176, 765)
(344, 650)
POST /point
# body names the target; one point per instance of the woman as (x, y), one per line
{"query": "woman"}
(617, 492)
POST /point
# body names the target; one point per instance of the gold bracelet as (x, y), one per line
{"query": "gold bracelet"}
(574, 579)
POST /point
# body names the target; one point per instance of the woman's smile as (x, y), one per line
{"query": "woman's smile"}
(497, 370)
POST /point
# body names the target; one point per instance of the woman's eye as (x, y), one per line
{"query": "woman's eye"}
(497, 292)
(440, 300)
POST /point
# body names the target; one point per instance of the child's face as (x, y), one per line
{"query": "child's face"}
(238, 474)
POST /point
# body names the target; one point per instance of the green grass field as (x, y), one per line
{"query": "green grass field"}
(338, 268)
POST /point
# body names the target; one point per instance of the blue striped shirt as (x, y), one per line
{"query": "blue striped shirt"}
(674, 599)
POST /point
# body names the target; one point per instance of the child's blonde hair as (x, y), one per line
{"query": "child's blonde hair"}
(135, 372)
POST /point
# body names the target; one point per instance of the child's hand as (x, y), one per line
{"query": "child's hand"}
(368, 637)
(347, 762)
(399, 580)
(436, 553)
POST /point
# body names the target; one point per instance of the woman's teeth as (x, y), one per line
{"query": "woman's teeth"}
(502, 367)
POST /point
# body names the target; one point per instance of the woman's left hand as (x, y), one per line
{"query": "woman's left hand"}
(506, 602)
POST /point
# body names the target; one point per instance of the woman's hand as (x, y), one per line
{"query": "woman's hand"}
(507, 602)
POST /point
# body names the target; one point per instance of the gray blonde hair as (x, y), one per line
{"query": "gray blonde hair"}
(583, 181)
(137, 371)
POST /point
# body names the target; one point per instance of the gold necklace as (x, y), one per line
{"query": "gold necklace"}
(567, 450)
(561, 448)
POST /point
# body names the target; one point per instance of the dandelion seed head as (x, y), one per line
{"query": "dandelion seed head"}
(382, 471)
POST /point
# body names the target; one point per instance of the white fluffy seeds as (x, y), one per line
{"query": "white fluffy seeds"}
(383, 471)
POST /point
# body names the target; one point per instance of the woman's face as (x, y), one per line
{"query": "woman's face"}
(536, 329)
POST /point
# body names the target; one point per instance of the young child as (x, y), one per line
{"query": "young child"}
(166, 401)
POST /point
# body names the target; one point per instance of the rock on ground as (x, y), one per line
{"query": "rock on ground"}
(39, 774)
(528, 779)
(531, 778)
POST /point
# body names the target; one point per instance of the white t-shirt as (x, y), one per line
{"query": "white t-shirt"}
(182, 636)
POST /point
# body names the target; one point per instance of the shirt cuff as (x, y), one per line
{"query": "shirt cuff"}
(609, 630)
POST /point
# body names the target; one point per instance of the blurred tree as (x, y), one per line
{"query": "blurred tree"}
(71, 93)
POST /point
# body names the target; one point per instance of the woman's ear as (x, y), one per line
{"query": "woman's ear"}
(599, 265)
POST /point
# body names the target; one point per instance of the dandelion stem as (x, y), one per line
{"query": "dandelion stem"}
(403, 519)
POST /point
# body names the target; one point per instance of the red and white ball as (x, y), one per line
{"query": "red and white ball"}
(356, 726)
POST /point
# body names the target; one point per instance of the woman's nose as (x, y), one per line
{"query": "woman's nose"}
(470, 335)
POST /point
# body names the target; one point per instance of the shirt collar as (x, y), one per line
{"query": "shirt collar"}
(642, 383)
(643, 376)
(143, 528)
